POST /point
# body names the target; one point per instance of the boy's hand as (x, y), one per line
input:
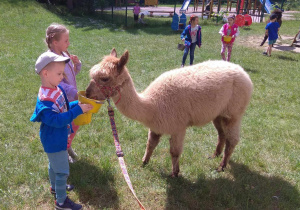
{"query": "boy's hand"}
(183, 39)
(85, 107)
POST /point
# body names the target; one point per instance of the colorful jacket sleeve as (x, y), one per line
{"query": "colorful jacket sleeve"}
(46, 114)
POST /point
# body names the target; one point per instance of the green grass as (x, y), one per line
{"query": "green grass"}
(265, 166)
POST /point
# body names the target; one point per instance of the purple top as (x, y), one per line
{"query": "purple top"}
(69, 85)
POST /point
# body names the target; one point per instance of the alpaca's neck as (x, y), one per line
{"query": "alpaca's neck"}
(132, 104)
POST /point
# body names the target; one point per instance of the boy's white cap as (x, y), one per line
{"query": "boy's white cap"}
(46, 58)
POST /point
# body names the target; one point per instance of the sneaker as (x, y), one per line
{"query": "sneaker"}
(72, 153)
(71, 160)
(265, 53)
(182, 65)
(69, 188)
(68, 204)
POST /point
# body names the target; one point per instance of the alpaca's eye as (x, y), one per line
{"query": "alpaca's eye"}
(105, 79)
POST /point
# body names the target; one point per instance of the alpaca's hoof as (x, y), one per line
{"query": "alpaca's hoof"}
(174, 175)
(220, 169)
(211, 157)
(145, 163)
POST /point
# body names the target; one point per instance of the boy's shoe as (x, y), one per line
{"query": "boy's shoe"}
(68, 204)
(182, 66)
(69, 188)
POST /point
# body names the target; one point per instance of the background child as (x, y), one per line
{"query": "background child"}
(272, 29)
(136, 12)
(57, 39)
(229, 29)
(56, 114)
(277, 12)
(141, 19)
(191, 36)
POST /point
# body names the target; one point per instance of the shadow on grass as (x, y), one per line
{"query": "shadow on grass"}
(246, 190)
(93, 186)
(249, 70)
(287, 58)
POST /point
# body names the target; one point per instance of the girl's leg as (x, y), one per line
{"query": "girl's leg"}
(192, 50)
(229, 49)
(223, 49)
(71, 137)
(185, 53)
(59, 163)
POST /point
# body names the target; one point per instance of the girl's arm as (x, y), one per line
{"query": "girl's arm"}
(70, 90)
(222, 31)
(77, 63)
(237, 32)
(183, 34)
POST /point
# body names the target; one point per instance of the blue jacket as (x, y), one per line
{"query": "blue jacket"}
(55, 127)
(187, 35)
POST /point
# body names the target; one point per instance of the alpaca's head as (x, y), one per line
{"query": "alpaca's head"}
(107, 76)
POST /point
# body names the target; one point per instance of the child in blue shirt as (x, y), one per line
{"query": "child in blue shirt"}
(56, 114)
(272, 29)
(191, 36)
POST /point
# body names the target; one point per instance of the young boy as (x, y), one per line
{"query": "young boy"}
(272, 29)
(56, 114)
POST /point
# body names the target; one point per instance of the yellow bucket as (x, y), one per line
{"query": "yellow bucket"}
(96, 104)
(83, 119)
(227, 38)
(86, 118)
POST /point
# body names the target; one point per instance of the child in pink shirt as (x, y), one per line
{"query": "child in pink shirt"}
(136, 12)
(232, 30)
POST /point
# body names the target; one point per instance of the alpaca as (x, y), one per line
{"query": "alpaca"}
(216, 91)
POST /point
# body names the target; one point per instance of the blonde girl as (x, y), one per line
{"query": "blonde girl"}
(57, 39)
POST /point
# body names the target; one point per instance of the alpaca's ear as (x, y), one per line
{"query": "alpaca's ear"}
(123, 60)
(113, 52)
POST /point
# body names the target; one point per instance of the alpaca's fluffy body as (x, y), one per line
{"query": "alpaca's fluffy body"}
(215, 91)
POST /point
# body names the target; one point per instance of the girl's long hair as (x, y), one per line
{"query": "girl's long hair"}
(53, 32)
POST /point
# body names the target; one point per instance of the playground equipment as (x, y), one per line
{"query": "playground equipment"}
(268, 5)
(178, 23)
(296, 41)
(151, 2)
(185, 6)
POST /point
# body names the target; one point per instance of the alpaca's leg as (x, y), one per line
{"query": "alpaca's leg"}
(232, 135)
(176, 147)
(221, 136)
(153, 140)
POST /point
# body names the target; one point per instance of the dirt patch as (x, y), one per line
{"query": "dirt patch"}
(282, 44)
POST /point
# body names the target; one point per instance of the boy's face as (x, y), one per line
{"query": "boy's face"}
(55, 75)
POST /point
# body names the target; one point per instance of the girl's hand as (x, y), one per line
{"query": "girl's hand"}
(85, 107)
(74, 59)
(183, 39)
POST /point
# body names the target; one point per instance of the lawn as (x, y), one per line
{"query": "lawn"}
(264, 169)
